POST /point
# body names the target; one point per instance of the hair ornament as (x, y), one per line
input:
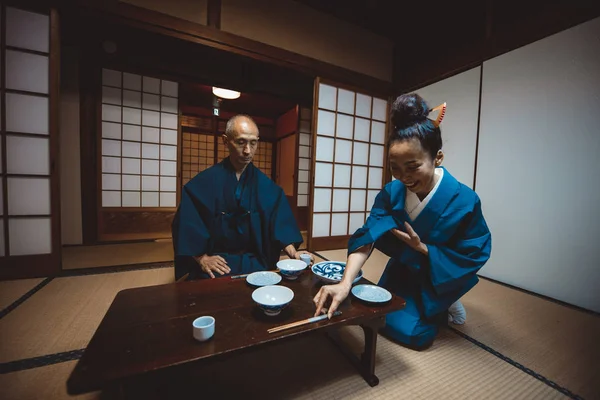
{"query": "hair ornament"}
(442, 111)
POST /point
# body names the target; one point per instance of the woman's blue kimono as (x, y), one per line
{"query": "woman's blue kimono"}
(459, 242)
(247, 222)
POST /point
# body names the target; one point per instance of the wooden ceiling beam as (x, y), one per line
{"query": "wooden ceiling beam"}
(125, 14)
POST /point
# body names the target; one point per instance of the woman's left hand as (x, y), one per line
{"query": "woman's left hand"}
(411, 238)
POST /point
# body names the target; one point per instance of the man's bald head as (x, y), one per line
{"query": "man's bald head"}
(241, 139)
(246, 121)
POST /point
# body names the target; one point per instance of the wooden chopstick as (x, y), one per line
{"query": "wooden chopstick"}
(302, 322)
(183, 278)
(245, 275)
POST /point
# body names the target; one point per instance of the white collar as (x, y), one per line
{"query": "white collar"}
(413, 206)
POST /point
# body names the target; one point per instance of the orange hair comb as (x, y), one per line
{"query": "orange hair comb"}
(442, 111)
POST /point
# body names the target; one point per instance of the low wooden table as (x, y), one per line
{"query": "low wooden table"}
(149, 329)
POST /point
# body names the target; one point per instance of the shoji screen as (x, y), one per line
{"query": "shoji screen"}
(537, 171)
(139, 141)
(198, 154)
(139, 152)
(29, 238)
(304, 150)
(459, 127)
(349, 160)
(263, 158)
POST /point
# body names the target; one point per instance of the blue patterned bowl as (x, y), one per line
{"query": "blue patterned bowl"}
(290, 269)
(272, 299)
(332, 271)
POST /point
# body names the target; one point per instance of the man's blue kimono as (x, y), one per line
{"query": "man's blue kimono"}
(247, 222)
(459, 242)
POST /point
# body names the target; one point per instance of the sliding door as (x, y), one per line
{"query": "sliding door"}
(138, 149)
(29, 198)
(348, 158)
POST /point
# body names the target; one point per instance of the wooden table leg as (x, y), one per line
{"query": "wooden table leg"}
(366, 364)
(139, 388)
(370, 352)
(116, 391)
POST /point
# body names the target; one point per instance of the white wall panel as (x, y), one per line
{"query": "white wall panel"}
(459, 127)
(537, 166)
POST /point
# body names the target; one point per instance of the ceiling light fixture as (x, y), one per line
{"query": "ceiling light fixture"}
(225, 93)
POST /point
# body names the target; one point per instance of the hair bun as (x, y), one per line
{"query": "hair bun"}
(409, 109)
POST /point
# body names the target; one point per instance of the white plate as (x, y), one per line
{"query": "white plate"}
(263, 278)
(332, 271)
(371, 293)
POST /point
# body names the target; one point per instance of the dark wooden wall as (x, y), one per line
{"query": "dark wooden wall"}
(460, 35)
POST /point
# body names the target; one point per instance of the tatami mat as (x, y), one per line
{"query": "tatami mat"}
(47, 383)
(556, 341)
(65, 313)
(452, 369)
(312, 368)
(74, 257)
(11, 291)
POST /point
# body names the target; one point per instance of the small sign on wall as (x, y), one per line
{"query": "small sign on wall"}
(216, 112)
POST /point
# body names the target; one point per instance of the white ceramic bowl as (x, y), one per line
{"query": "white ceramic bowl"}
(272, 299)
(203, 328)
(290, 269)
(263, 278)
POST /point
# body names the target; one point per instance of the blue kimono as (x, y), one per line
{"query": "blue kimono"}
(459, 242)
(247, 222)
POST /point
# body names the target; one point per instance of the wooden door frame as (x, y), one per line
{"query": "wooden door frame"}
(277, 144)
(296, 167)
(305, 209)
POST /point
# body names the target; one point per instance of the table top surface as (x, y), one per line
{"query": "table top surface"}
(150, 328)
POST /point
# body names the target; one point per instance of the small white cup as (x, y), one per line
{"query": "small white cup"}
(305, 258)
(204, 328)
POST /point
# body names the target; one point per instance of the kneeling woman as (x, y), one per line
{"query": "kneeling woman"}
(429, 224)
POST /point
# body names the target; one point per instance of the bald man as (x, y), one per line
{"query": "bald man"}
(233, 219)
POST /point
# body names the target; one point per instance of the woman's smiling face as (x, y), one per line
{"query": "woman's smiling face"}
(413, 166)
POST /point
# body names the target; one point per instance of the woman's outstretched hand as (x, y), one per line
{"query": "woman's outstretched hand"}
(337, 293)
(411, 238)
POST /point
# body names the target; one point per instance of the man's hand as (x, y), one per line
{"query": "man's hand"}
(211, 264)
(292, 253)
(299, 253)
